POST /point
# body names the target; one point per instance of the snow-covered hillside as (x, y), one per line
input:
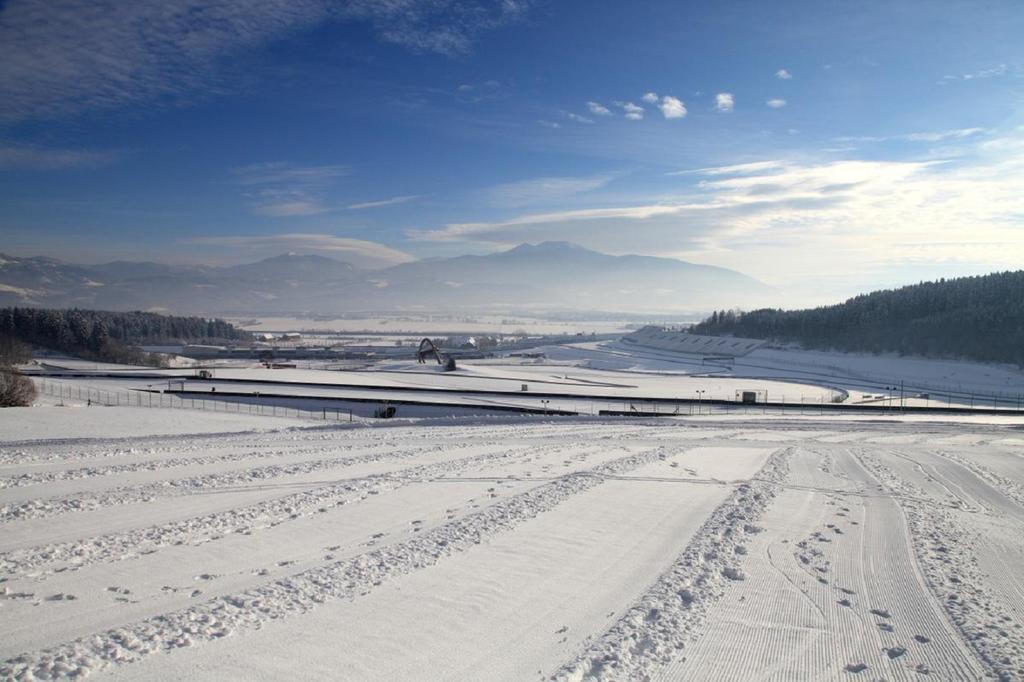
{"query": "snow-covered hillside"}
(509, 549)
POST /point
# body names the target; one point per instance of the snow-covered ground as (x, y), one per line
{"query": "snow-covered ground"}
(138, 544)
(862, 376)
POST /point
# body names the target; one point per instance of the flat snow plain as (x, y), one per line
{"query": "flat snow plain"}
(509, 548)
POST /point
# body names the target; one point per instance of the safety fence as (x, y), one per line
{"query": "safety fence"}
(90, 395)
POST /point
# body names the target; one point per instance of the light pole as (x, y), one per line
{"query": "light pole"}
(890, 390)
(700, 396)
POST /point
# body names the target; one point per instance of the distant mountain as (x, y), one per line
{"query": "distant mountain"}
(549, 275)
(292, 267)
(978, 318)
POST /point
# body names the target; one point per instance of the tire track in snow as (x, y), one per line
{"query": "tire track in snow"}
(156, 464)
(43, 451)
(304, 591)
(655, 629)
(248, 519)
(1008, 487)
(37, 508)
(947, 555)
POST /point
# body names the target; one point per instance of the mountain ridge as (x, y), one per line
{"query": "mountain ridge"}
(538, 276)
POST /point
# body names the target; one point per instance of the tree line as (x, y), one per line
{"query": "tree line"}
(110, 336)
(976, 318)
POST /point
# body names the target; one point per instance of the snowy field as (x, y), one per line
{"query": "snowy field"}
(234, 547)
(412, 323)
(862, 376)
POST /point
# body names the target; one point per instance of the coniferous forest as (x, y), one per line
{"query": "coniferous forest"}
(976, 318)
(109, 336)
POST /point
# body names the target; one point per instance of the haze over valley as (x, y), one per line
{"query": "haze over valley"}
(551, 276)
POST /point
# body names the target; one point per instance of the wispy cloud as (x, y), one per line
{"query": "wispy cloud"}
(359, 251)
(598, 109)
(577, 118)
(283, 189)
(724, 102)
(384, 202)
(789, 221)
(25, 157)
(672, 107)
(62, 57)
(471, 231)
(288, 205)
(735, 169)
(783, 74)
(981, 74)
(488, 90)
(931, 136)
(278, 172)
(542, 190)
(776, 103)
(650, 97)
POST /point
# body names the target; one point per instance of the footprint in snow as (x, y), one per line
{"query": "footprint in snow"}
(881, 613)
(856, 667)
(60, 596)
(895, 651)
(206, 576)
(921, 639)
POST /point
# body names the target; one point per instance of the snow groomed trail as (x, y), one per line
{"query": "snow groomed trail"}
(572, 549)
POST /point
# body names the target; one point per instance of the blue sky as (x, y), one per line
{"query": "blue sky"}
(824, 147)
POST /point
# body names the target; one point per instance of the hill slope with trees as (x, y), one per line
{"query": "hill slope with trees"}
(109, 336)
(977, 318)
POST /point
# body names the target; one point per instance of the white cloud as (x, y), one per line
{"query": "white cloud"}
(930, 136)
(284, 189)
(807, 223)
(783, 74)
(277, 172)
(776, 103)
(724, 102)
(542, 190)
(281, 208)
(576, 117)
(992, 72)
(62, 57)
(650, 97)
(549, 124)
(471, 231)
(598, 109)
(359, 251)
(384, 202)
(736, 169)
(672, 107)
(633, 112)
(26, 157)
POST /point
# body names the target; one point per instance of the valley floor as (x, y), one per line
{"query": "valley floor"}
(693, 548)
